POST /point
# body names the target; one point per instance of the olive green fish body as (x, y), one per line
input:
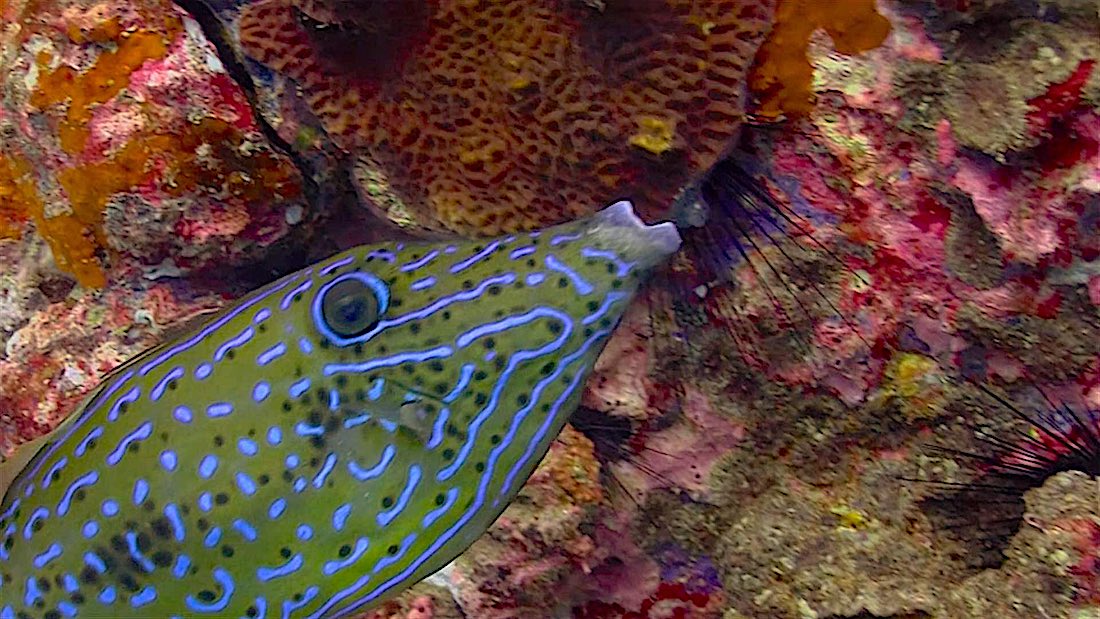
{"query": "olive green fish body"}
(328, 440)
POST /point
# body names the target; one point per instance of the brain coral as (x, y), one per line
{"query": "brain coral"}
(492, 116)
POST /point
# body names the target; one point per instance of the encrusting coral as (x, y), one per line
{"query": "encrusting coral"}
(498, 116)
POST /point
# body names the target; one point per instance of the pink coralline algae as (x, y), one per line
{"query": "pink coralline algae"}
(65, 348)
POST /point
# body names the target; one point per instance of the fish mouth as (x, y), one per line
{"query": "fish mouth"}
(618, 228)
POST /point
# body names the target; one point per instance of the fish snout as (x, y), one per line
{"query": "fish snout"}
(619, 229)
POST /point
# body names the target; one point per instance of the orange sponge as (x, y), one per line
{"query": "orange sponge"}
(782, 77)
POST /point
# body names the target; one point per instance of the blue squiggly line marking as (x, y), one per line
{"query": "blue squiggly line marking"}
(622, 267)
(365, 474)
(449, 500)
(416, 264)
(582, 286)
(84, 480)
(142, 432)
(238, 340)
(223, 578)
(385, 517)
(479, 256)
(331, 567)
(326, 468)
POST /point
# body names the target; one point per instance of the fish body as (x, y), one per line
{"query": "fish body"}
(329, 439)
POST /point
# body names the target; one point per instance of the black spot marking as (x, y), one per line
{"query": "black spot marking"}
(127, 581)
(162, 528)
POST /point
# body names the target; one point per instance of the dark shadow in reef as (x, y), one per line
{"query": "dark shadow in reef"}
(982, 514)
(215, 32)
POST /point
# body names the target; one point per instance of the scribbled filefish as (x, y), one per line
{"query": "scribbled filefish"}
(328, 440)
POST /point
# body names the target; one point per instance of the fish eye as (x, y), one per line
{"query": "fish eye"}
(350, 306)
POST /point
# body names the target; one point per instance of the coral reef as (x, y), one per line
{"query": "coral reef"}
(754, 438)
(126, 144)
(497, 116)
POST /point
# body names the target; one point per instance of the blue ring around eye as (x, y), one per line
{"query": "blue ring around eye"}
(381, 293)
